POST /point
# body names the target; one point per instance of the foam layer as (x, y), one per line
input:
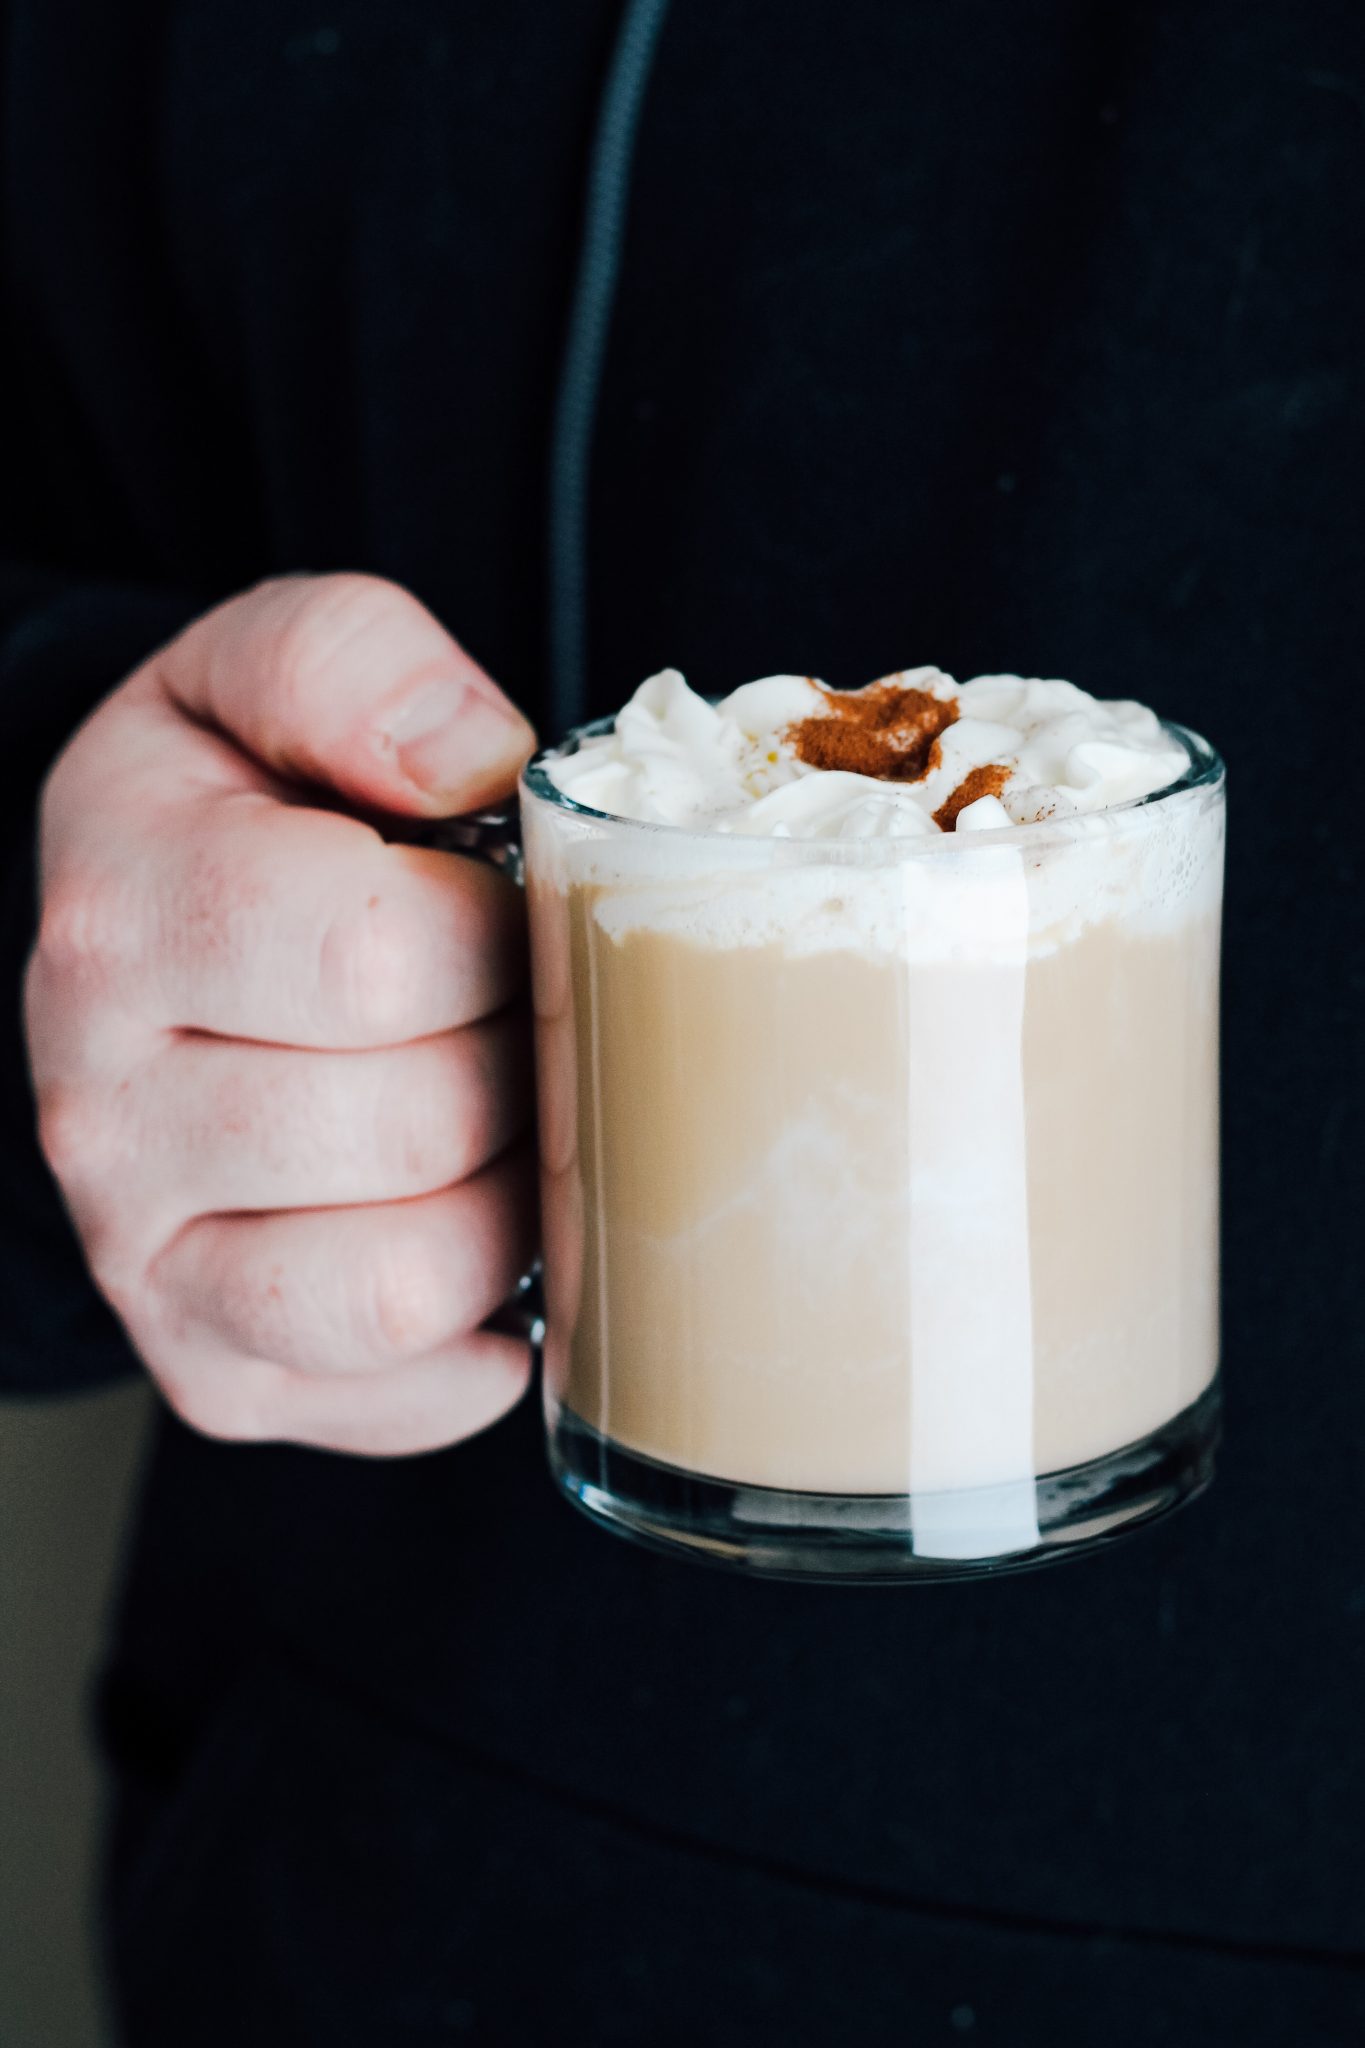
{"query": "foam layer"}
(737, 767)
(879, 877)
(961, 898)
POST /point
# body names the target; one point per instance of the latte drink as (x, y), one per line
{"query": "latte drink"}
(877, 1042)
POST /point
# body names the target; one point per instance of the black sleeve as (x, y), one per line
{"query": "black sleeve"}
(64, 643)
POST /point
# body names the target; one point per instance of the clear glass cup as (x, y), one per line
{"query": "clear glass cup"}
(880, 1181)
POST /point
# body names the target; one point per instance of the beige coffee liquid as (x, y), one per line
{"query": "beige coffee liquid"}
(834, 1220)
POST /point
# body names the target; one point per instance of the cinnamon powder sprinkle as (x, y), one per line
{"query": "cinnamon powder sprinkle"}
(885, 730)
(980, 782)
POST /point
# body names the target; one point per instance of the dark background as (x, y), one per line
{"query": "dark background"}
(1006, 334)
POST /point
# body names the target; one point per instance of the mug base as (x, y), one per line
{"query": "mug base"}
(881, 1538)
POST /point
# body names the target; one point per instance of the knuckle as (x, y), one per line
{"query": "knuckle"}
(370, 963)
(250, 1306)
(88, 922)
(225, 1406)
(76, 1133)
(323, 615)
(112, 1254)
(404, 1311)
(214, 898)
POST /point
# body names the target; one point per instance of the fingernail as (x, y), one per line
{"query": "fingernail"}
(449, 738)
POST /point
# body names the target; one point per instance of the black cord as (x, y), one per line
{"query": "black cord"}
(580, 376)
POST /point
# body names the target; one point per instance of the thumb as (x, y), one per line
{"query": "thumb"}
(349, 681)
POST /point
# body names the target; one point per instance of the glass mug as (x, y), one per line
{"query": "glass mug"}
(879, 1179)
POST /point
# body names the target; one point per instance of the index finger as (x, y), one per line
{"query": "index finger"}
(298, 927)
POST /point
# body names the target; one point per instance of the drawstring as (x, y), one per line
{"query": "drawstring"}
(580, 375)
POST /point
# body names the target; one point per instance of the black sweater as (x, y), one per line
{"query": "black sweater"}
(1006, 334)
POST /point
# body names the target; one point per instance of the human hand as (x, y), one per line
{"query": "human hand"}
(282, 1066)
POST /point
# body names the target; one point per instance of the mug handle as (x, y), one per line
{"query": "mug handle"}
(495, 836)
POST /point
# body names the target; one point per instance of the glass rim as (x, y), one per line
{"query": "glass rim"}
(1206, 771)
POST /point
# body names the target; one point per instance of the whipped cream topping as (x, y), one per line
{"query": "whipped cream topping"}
(753, 763)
